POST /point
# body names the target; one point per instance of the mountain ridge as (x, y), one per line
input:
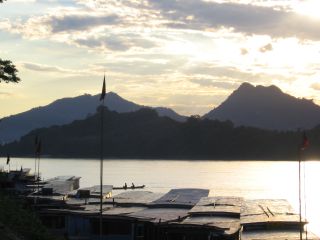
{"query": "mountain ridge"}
(266, 108)
(66, 110)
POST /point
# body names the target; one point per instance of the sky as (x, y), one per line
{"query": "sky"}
(188, 55)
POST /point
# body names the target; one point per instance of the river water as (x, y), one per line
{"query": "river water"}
(248, 179)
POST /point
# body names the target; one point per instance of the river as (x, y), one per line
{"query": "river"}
(248, 179)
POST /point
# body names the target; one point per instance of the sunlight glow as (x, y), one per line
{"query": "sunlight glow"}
(309, 8)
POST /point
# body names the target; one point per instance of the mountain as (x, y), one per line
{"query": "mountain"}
(144, 134)
(66, 110)
(267, 108)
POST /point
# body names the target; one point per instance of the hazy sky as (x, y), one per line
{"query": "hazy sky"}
(185, 54)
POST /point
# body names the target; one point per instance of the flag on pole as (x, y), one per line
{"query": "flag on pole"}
(8, 159)
(305, 141)
(103, 93)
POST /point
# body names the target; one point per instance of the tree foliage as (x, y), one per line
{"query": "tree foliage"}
(8, 71)
(16, 215)
(143, 134)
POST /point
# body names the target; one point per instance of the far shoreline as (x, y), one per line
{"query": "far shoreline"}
(167, 159)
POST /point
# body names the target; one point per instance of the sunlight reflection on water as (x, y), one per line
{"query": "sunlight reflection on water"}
(249, 179)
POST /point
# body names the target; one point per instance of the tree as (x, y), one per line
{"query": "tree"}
(8, 71)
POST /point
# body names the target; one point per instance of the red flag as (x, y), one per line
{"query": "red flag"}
(103, 93)
(305, 142)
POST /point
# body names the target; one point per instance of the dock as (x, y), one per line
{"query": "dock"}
(180, 214)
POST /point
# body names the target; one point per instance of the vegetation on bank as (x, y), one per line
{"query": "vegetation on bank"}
(18, 221)
(143, 134)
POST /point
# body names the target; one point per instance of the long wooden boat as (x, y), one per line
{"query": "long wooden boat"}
(129, 187)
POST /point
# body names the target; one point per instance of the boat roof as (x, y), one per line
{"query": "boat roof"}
(134, 198)
(183, 197)
(268, 211)
(59, 187)
(218, 206)
(276, 235)
(63, 178)
(94, 190)
(160, 215)
(228, 224)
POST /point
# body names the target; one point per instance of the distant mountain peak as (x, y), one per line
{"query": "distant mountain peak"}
(266, 107)
(245, 85)
(66, 110)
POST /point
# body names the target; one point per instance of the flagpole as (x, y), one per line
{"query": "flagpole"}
(103, 93)
(101, 168)
(300, 220)
(305, 198)
(38, 177)
(35, 161)
(305, 144)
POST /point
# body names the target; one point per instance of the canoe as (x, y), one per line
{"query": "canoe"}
(129, 187)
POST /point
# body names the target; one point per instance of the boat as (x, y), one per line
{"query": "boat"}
(129, 187)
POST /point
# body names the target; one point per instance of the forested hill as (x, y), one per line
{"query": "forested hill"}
(65, 110)
(143, 134)
(267, 108)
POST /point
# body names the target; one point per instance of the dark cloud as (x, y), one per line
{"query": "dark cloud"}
(245, 18)
(266, 48)
(80, 22)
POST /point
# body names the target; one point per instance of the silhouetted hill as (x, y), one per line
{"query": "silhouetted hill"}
(143, 134)
(66, 110)
(268, 108)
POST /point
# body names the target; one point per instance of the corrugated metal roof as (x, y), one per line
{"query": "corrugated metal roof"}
(275, 235)
(268, 211)
(184, 197)
(135, 198)
(226, 206)
(160, 215)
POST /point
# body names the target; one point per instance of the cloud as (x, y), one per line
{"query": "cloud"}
(5, 94)
(80, 22)
(57, 70)
(42, 68)
(145, 67)
(315, 86)
(205, 74)
(205, 82)
(245, 18)
(266, 48)
(116, 42)
(244, 51)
